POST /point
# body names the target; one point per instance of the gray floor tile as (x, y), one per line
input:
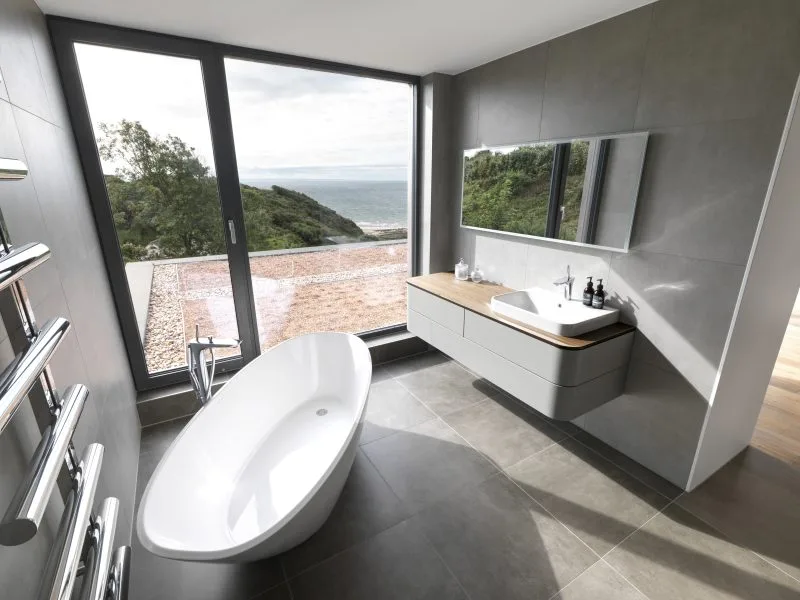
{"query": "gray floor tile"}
(598, 501)
(397, 564)
(280, 592)
(676, 555)
(366, 507)
(503, 430)
(391, 408)
(427, 463)
(416, 363)
(754, 501)
(156, 578)
(380, 373)
(157, 438)
(630, 466)
(447, 387)
(500, 544)
(600, 582)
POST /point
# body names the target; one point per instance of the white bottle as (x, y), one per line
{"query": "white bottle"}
(477, 275)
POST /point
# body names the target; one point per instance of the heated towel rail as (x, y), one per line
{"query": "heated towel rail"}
(82, 557)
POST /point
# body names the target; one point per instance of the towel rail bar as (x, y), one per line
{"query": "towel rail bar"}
(20, 261)
(26, 510)
(61, 571)
(19, 376)
(95, 580)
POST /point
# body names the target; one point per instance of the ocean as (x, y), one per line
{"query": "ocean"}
(371, 204)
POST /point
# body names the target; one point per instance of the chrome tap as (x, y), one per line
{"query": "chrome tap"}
(567, 283)
(201, 375)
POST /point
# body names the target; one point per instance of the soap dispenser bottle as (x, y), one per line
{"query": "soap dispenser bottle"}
(599, 298)
(588, 293)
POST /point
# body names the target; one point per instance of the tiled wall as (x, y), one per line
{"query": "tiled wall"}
(52, 206)
(712, 81)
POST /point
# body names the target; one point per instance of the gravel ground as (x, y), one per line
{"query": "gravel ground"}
(351, 289)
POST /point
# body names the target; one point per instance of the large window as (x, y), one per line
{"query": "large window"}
(323, 161)
(240, 193)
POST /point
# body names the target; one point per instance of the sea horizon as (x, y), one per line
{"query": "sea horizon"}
(371, 204)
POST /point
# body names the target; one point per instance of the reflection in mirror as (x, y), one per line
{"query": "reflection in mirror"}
(581, 191)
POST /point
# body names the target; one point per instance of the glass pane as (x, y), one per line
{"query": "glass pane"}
(324, 169)
(151, 126)
(573, 190)
(508, 189)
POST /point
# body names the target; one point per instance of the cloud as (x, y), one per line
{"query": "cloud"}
(284, 118)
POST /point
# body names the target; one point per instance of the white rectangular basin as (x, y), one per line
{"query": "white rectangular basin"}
(553, 313)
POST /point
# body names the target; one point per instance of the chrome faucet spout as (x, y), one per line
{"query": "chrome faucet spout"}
(567, 282)
(201, 374)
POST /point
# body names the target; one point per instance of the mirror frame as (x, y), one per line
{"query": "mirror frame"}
(635, 199)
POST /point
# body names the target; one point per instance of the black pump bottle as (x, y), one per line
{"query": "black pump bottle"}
(588, 293)
(599, 298)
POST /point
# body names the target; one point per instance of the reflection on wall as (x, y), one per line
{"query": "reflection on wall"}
(581, 190)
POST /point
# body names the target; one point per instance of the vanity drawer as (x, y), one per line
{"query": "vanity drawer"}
(439, 311)
(557, 365)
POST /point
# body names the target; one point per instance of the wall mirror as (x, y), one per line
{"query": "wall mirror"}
(579, 191)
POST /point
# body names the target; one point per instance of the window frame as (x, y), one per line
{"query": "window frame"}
(64, 34)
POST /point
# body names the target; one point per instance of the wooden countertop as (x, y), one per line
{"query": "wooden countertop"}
(477, 298)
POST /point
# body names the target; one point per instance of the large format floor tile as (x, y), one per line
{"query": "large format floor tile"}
(415, 364)
(500, 544)
(596, 500)
(754, 500)
(427, 463)
(446, 387)
(676, 555)
(391, 407)
(600, 582)
(629, 465)
(396, 564)
(366, 507)
(503, 430)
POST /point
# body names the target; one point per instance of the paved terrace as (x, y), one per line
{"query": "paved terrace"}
(353, 287)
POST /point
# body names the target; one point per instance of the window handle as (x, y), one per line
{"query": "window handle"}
(232, 229)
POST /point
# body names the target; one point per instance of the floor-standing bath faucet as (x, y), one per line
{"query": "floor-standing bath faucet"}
(202, 376)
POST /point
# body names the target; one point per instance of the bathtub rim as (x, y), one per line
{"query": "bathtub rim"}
(230, 553)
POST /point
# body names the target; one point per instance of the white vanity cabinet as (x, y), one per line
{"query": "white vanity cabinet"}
(560, 377)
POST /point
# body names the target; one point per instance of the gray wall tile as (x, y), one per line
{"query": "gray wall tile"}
(466, 103)
(703, 187)
(682, 306)
(20, 67)
(712, 79)
(593, 77)
(52, 206)
(715, 60)
(511, 92)
(657, 421)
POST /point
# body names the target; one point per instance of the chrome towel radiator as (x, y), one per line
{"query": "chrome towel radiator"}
(83, 549)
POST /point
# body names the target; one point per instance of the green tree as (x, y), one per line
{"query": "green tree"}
(165, 202)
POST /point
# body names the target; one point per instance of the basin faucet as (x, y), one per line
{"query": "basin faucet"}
(201, 375)
(566, 281)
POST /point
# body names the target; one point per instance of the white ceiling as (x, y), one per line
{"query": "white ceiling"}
(408, 36)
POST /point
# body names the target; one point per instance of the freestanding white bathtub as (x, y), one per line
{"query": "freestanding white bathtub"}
(259, 468)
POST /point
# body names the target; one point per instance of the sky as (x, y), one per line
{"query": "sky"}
(289, 123)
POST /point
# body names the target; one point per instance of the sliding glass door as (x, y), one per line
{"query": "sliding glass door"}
(150, 125)
(323, 162)
(239, 192)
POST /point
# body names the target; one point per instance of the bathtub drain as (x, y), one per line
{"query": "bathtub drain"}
(322, 412)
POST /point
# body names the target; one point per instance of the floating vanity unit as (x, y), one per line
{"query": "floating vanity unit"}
(561, 377)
